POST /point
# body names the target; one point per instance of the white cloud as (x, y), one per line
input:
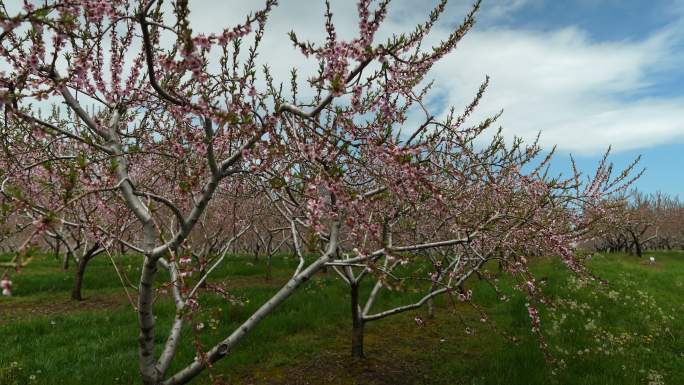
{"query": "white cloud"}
(581, 93)
(503, 8)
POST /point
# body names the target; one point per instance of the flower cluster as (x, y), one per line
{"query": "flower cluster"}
(6, 286)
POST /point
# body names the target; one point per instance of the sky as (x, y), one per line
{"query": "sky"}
(640, 111)
(586, 74)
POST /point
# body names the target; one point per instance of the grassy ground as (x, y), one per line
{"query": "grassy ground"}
(627, 332)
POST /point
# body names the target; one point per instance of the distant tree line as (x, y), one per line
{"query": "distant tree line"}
(645, 222)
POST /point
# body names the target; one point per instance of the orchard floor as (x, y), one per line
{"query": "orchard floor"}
(630, 331)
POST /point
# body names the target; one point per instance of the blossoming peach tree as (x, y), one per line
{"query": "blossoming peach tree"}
(429, 208)
(153, 123)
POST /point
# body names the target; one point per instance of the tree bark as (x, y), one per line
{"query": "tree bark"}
(58, 248)
(146, 319)
(202, 273)
(78, 280)
(269, 257)
(224, 347)
(257, 250)
(65, 263)
(269, 267)
(357, 323)
(76, 290)
(637, 244)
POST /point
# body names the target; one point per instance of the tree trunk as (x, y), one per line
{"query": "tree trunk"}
(203, 271)
(146, 318)
(76, 291)
(269, 257)
(291, 250)
(235, 231)
(637, 245)
(269, 267)
(58, 249)
(78, 280)
(357, 323)
(224, 347)
(67, 256)
(430, 308)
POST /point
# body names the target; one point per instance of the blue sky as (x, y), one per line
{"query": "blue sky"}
(613, 20)
(628, 22)
(603, 19)
(664, 166)
(587, 74)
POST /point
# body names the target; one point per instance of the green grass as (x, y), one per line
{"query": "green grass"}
(627, 332)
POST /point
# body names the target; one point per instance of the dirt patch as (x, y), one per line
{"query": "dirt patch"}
(58, 305)
(395, 351)
(338, 368)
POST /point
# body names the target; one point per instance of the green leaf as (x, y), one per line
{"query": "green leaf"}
(41, 14)
(277, 182)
